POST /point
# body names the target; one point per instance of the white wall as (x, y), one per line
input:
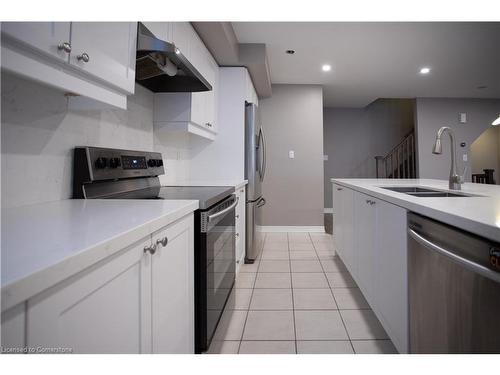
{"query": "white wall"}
(432, 113)
(39, 133)
(293, 188)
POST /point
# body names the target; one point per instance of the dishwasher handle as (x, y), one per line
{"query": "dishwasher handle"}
(474, 267)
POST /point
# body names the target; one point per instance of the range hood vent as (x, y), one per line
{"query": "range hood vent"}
(161, 66)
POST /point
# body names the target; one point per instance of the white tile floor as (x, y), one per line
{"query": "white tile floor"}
(298, 298)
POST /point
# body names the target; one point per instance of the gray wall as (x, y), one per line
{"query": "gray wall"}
(354, 136)
(293, 188)
(432, 113)
(39, 133)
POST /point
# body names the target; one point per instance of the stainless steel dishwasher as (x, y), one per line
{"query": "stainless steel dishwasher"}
(454, 289)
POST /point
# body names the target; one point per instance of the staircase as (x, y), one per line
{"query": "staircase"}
(400, 161)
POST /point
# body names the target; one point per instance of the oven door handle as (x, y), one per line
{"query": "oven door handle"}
(224, 211)
(472, 266)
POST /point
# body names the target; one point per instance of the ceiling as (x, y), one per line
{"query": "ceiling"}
(381, 60)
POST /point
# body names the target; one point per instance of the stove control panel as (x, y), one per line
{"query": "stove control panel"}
(96, 163)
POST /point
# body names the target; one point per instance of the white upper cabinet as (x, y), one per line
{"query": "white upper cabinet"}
(182, 36)
(161, 30)
(93, 60)
(106, 50)
(195, 112)
(52, 38)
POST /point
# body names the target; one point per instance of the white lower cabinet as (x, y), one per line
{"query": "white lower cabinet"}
(104, 310)
(240, 227)
(172, 289)
(343, 217)
(365, 229)
(139, 300)
(370, 238)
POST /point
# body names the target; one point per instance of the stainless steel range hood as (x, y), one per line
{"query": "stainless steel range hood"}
(161, 66)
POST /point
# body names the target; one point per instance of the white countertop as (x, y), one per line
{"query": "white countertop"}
(44, 244)
(236, 183)
(479, 215)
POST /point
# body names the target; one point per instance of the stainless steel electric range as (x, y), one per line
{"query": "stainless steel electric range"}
(104, 173)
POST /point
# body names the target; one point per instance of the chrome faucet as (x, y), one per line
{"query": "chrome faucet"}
(456, 180)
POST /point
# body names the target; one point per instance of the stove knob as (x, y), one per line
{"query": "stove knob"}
(159, 162)
(100, 163)
(152, 163)
(114, 162)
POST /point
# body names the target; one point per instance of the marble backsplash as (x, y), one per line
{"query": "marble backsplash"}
(39, 133)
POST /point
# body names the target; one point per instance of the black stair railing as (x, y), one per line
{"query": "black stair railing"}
(400, 161)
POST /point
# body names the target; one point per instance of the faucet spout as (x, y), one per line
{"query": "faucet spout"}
(455, 181)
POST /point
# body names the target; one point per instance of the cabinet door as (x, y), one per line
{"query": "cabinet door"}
(105, 309)
(182, 35)
(44, 36)
(111, 49)
(337, 220)
(161, 30)
(347, 237)
(198, 108)
(240, 227)
(212, 99)
(173, 289)
(365, 219)
(391, 276)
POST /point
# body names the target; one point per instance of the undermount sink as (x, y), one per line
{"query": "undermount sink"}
(417, 191)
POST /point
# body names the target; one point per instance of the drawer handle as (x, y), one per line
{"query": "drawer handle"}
(163, 242)
(150, 249)
(83, 57)
(64, 46)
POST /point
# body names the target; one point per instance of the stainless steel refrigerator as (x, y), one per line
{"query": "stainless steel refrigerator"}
(255, 171)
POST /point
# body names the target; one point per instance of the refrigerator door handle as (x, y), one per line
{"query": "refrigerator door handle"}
(263, 165)
(261, 202)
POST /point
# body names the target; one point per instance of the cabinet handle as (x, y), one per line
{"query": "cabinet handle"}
(339, 189)
(242, 191)
(83, 57)
(372, 203)
(237, 216)
(64, 46)
(150, 249)
(163, 242)
(368, 201)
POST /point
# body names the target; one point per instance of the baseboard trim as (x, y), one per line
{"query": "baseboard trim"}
(315, 229)
(328, 210)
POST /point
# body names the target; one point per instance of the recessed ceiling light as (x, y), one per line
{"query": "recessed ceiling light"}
(326, 68)
(425, 70)
(496, 122)
(290, 51)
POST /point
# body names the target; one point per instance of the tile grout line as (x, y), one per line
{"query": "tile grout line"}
(293, 300)
(333, 295)
(251, 296)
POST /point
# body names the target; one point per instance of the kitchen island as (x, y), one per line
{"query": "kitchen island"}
(370, 235)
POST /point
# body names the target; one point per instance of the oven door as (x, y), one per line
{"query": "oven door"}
(218, 268)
